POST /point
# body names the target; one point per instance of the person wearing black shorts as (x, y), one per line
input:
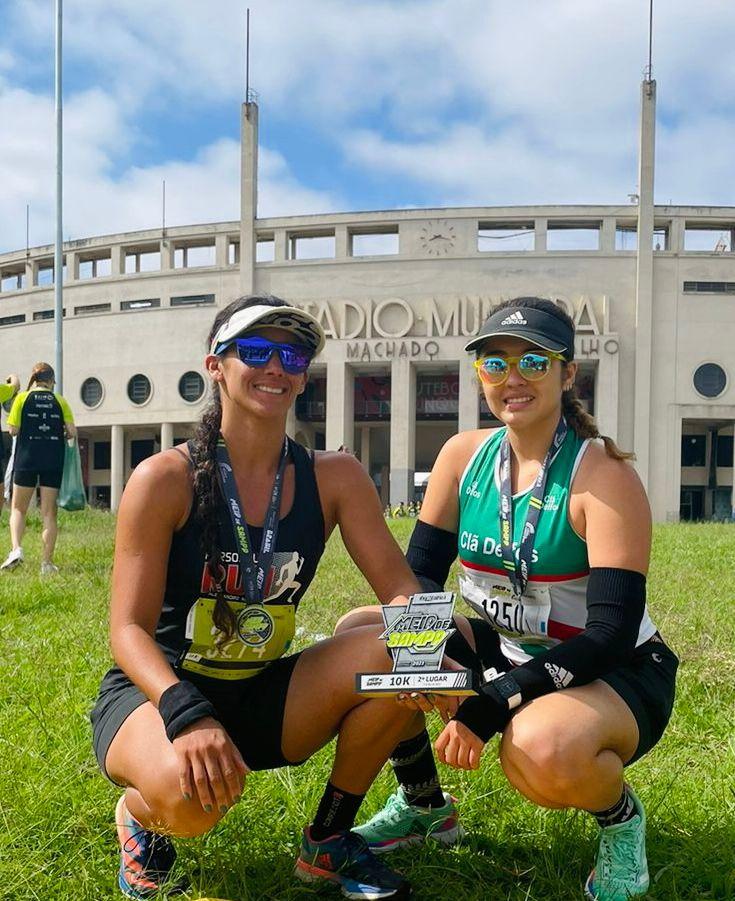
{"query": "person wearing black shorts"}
(204, 690)
(552, 528)
(8, 390)
(41, 421)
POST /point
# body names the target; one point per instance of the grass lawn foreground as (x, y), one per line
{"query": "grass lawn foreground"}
(58, 841)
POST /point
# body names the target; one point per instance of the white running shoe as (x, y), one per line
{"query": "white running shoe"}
(48, 569)
(14, 558)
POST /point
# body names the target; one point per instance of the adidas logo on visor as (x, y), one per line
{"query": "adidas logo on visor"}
(514, 319)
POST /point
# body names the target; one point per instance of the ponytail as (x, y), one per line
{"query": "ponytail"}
(207, 494)
(584, 425)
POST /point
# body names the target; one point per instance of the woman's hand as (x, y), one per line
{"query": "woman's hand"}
(209, 763)
(459, 747)
(445, 705)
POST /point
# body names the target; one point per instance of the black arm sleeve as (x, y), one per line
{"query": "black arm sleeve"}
(431, 552)
(616, 599)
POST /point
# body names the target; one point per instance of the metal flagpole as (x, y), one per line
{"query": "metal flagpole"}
(58, 251)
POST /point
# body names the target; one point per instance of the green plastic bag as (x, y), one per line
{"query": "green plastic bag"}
(71, 492)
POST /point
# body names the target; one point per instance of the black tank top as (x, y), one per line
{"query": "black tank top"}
(189, 595)
(41, 433)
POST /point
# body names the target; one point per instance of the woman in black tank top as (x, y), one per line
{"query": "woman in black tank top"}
(216, 544)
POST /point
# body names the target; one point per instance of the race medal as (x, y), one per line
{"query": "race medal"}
(263, 633)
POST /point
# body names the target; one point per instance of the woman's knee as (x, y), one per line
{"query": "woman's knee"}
(171, 811)
(549, 759)
(360, 616)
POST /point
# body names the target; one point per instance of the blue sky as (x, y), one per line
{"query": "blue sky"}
(364, 104)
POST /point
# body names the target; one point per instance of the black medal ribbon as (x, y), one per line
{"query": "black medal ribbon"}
(518, 567)
(253, 573)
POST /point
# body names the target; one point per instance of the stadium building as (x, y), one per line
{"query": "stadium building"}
(651, 288)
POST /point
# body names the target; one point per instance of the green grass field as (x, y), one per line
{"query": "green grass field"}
(58, 842)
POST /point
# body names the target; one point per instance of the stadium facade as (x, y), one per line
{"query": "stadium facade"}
(651, 288)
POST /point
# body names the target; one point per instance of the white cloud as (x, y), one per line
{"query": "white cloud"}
(98, 199)
(467, 101)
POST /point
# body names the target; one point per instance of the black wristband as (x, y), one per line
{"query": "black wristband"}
(182, 704)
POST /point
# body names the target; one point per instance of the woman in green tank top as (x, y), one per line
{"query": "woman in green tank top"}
(553, 532)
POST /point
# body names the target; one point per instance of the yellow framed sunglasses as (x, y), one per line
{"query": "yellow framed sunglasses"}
(532, 366)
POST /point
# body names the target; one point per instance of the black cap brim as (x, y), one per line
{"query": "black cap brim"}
(542, 341)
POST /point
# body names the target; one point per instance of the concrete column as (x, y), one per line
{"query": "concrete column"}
(607, 235)
(365, 449)
(469, 404)
(644, 283)
(341, 242)
(676, 235)
(117, 260)
(340, 405)
(167, 254)
(540, 231)
(221, 246)
(607, 393)
(71, 258)
(280, 240)
(167, 435)
(248, 194)
(402, 430)
(117, 465)
(673, 468)
(31, 273)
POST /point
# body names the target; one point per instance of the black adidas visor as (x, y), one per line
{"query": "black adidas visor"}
(536, 326)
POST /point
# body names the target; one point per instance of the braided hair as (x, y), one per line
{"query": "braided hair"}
(580, 421)
(207, 491)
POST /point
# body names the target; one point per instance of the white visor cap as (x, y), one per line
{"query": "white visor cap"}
(304, 327)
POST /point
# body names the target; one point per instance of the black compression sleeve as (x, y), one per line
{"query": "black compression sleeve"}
(616, 599)
(431, 552)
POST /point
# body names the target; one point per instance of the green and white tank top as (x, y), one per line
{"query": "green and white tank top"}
(554, 606)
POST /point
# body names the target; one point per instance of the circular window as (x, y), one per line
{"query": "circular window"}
(710, 380)
(91, 392)
(139, 389)
(191, 386)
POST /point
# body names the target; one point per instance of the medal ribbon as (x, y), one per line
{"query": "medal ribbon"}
(253, 573)
(518, 567)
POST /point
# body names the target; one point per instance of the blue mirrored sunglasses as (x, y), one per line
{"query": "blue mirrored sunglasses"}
(257, 351)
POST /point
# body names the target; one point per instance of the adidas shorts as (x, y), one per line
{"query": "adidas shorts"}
(647, 684)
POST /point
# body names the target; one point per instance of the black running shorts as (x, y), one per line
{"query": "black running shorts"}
(46, 478)
(251, 710)
(647, 684)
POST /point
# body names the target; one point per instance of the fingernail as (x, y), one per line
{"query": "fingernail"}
(223, 808)
(187, 796)
(401, 697)
(208, 808)
(414, 695)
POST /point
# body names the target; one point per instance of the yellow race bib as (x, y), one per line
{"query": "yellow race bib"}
(263, 633)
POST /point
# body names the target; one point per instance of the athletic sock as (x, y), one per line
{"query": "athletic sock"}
(622, 810)
(415, 768)
(336, 812)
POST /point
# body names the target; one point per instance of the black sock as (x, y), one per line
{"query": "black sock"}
(336, 812)
(415, 768)
(622, 810)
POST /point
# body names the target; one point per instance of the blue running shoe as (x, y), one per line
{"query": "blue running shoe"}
(621, 870)
(345, 860)
(146, 858)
